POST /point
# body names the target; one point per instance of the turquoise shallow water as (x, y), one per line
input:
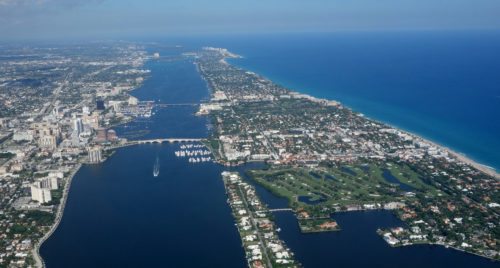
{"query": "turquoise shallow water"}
(444, 86)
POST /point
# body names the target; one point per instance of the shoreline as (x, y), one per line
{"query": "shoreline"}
(454, 153)
(462, 157)
(39, 262)
(445, 246)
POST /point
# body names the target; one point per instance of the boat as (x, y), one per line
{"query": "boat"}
(156, 169)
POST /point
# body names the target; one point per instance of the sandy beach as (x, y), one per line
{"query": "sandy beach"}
(459, 156)
(464, 159)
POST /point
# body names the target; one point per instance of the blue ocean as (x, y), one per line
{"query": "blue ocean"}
(444, 86)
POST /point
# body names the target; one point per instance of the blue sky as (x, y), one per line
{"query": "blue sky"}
(121, 18)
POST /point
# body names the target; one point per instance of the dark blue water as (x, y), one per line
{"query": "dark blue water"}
(173, 82)
(307, 199)
(118, 215)
(330, 177)
(348, 171)
(358, 245)
(442, 85)
(387, 175)
(315, 175)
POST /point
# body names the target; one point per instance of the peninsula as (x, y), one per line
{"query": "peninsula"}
(325, 158)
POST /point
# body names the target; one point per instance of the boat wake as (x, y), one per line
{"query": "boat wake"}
(156, 169)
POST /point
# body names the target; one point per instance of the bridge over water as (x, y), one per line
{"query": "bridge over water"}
(169, 140)
(166, 105)
(153, 141)
(276, 210)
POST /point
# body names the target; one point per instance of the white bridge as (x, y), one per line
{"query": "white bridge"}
(153, 141)
(169, 140)
(166, 105)
(276, 210)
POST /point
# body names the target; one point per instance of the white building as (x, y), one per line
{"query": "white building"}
(40, 189)
(86, 110)
(133, 101)
(47, 183)
(23, 136)
(48, 141)
(95, 155)
(78, 125)
(41, 195)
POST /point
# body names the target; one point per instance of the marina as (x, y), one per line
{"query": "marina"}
(195, 153)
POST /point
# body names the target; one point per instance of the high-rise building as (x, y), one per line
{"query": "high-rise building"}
(95, 155)
(91, 120)
(133, 101)
(40, 189)
(111, 135)
(42, 195)
(116, 105)
(3, 122)
(48, 141)
(100, 105)
(45, 128)
(101, 135)
(55, 111)
(48, 183)
(23, 135)
(78, 125)
(86, 110)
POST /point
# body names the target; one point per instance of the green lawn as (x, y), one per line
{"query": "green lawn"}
(341, 185)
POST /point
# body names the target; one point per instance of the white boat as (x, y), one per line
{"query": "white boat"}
(156, 169)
